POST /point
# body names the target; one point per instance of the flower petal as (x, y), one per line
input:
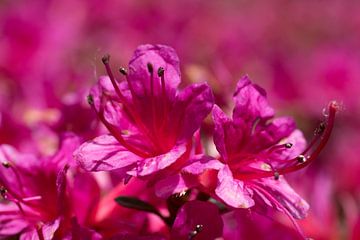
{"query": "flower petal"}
(286, 196)
(174, 184)
(158, 56)
(199, 163)
(192, 105)
(232, 191)
(250, 102)
(104, 153)
(151, 165)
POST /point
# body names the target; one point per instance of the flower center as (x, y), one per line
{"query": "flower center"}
(153, 128)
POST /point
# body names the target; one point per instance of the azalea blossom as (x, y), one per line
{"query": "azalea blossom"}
(150, 122)
(34, 191)
(257, 149)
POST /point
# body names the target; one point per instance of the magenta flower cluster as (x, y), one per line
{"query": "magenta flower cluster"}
(171, 178)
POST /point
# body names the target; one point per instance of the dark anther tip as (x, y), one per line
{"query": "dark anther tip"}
(123, 71)
(301, 158)
(3, 190)
(105, 59)
(150, 68)
(276, 175)
(6, 164)
(90, 99)
(288, 145)
(199, 227)
(161, 71)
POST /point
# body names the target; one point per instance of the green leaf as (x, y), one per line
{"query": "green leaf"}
(135, 203)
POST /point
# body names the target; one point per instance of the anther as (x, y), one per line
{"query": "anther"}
(105, 59)
(90, 99)
(123, 71)
(6, 164)
(150, 68)
(199, 227)
(3, 191)
(288, 145)
(161, 71)
(276, 175)
(301, 159)
(320, 129)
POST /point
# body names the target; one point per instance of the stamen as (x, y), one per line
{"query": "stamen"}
(301, 159)
(151, 71)
(6, 164)
(90, 99)
(276, 175)
(106, 60)
(150, 68)
(3, 192)
(161, 74)
(114, 131)
(198, 228)
(288, 145)
(123, 71)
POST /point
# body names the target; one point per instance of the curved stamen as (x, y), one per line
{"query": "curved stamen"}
(300, 161)
(124, 72)
(106, 60)
(113, 130)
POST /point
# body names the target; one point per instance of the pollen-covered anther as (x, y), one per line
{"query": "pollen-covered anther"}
(161, 71)
(150, 68)
(288, 145)
(105, 59)
(6, 164)
(198, 228)
(320, 129)
(276, 175)
(90, 99)
(3, 192)
(123, 71)
(301, 159)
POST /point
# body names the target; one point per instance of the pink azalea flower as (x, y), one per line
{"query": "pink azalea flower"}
(256, 150)
(197, 220)
(151, 123)
(34, 191)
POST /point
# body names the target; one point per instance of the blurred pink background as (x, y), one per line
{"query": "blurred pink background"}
(304, 53)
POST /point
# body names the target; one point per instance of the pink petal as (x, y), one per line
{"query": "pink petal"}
(104, 153)
(286, 196)
(199, 163)
(232, 191)
(250, 102)
(158, 56)
(192, 105)
(150, 165)
(174, 184)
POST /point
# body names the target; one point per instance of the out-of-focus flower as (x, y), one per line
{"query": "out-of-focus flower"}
(151, 123)
(34, 191)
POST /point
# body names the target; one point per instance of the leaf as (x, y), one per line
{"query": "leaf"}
(135, 203)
